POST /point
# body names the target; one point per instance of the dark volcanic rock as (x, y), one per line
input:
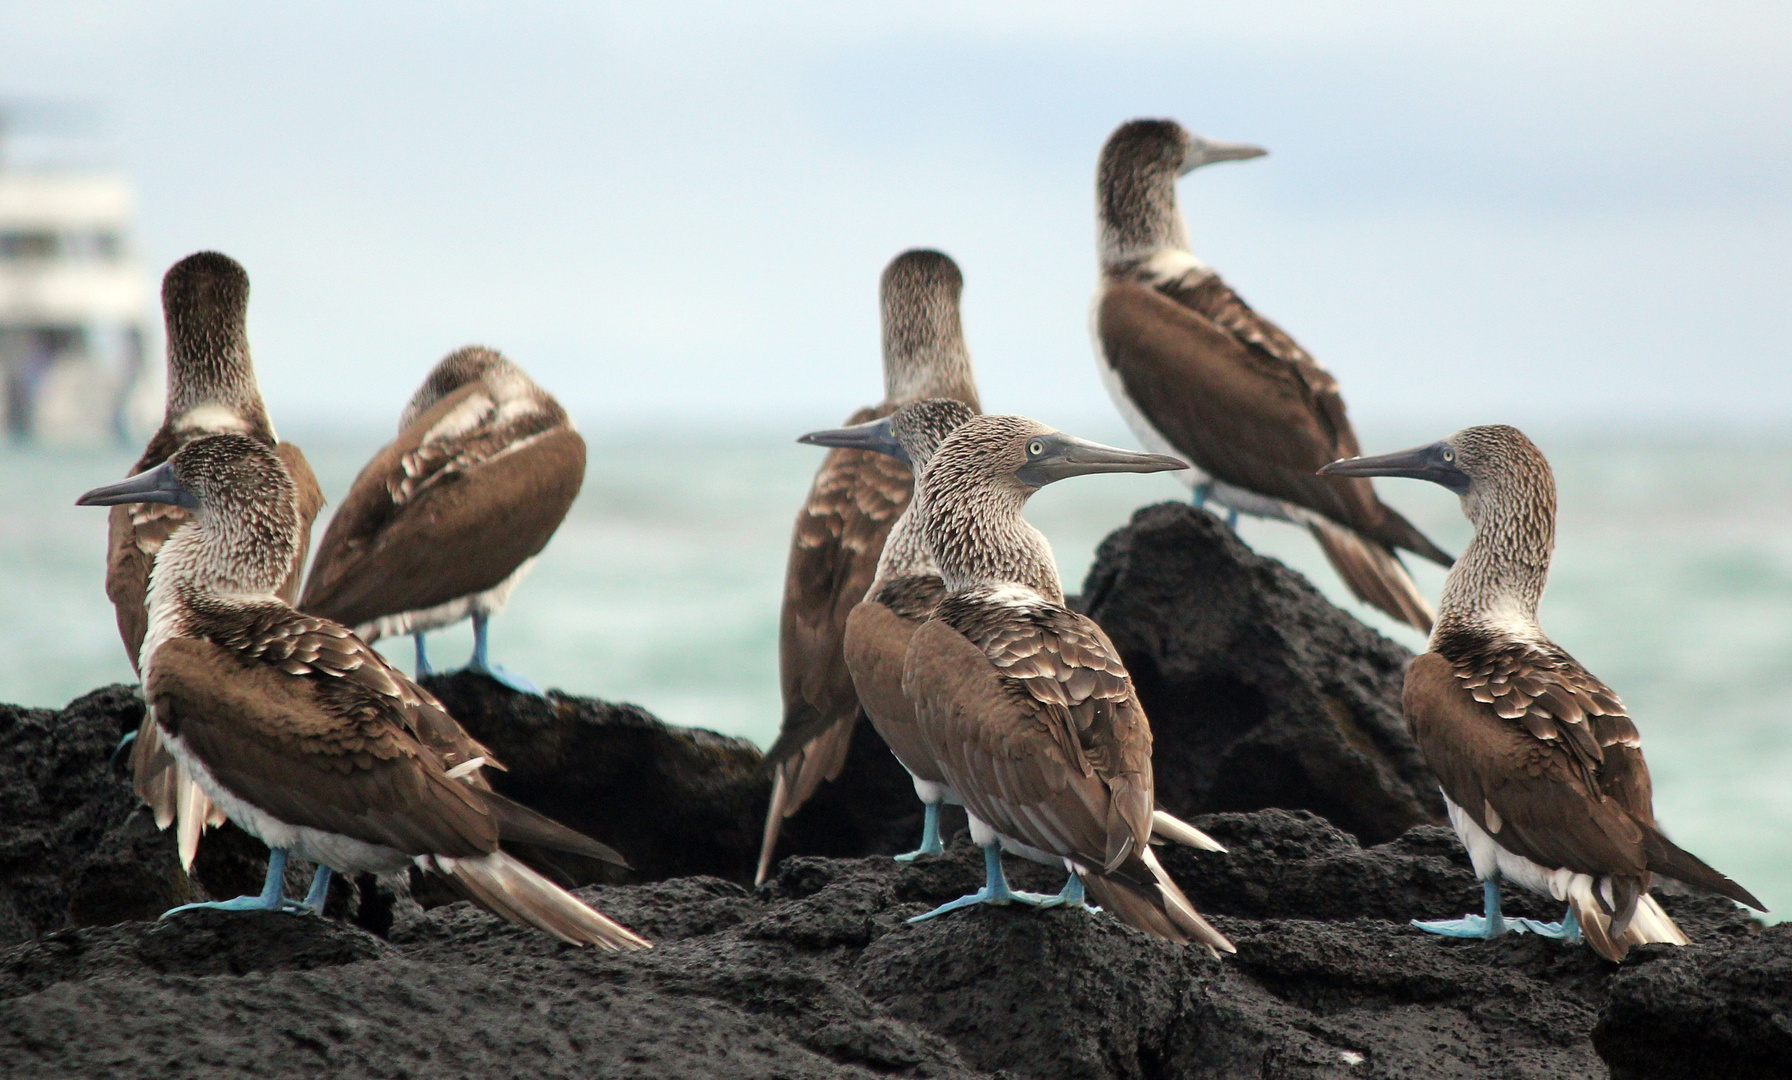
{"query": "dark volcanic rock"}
(1720, 1009)
(1261, 692)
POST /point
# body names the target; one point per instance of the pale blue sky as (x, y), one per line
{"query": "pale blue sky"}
(1529, 212)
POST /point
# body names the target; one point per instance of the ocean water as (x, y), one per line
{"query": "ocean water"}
(1672, 582)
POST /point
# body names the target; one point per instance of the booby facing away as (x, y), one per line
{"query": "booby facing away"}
(901, 599)
(839, 535)
(301, 732)
(1541, 767)
(1024, 704)
(448, 517)
(211, 389)
(1197, 373)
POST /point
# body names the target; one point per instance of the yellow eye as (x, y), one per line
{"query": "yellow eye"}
(1035, 448)
(1449, 456)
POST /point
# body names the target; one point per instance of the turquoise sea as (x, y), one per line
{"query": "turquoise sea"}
(1672, 582)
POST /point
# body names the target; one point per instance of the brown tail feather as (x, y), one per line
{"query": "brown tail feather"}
(172, 795)
(1159, 907)
(525, 826)
(1373, 572)
(1398, 532)
(508, 889)
(1635, 919)
(1669, 860)
(795, 779)
(1166, 827)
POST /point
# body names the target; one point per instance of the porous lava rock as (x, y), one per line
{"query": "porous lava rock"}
(1261, 692)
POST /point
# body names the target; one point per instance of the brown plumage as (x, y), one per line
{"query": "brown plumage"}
(306, 736)
(1023, 704)
(1195, 370)
(839, 535)
(1539, 761)
(211, 388)
(445, 518)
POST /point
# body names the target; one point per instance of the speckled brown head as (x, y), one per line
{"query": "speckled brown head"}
(1135, 185)
(452, 372)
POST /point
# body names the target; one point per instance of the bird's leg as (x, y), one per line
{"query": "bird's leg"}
(930, 836)
(1232, 519)
(423, 667)
(1071, 895)
(272, 898)
(995, 888)
(124, 744)
(481, 664)
(1490, 925)
(1567, 930)
(320, 889)
(1200, 496)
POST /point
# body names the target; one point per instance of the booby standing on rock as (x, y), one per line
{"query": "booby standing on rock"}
(1541, 767)
(1023, 703)
(840, 533)
(445, 520)
(1197, 373)
(302, 733)
(901, 599)
(211, 389)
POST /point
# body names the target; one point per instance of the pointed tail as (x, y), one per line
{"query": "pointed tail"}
(1373, 572)
(1176, 830)
(1141, 895)
(1669, 860)
(510, 890)
(171, 794)
(795, 779)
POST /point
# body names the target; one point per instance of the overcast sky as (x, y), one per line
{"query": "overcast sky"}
(1529, 212)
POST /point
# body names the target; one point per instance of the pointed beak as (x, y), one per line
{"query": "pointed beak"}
(1436, 463)
(1057, 456)
(157, 485)
(874, 436)
(1207, 151)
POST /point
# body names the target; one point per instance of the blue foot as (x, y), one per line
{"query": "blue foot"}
(1567, 930)
(995, 889)
(930, 836)
(320, 890)
(1232, 520)
(423, 667)
(1202, 491)
(1490, 925)
(1071, 895)
(124, 744)
(481, 664)
(272, 898)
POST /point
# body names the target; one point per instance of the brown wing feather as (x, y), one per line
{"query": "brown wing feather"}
(878, 633)
(417, 528)
(1250, 407)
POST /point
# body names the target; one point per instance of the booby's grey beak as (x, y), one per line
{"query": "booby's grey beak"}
(157, 485)
(1436, 463)
(874, 436)
(1056, 456)
(1207, 151)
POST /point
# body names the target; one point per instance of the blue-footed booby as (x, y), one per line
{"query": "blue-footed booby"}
(839, 534)
(1024, 704)
(448, 517)
(1541, 767)
(302, 733)
(211, 389)
(1197, 373)
(902, 598)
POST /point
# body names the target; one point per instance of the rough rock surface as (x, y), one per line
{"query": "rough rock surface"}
(819, 975)
(1260, 691)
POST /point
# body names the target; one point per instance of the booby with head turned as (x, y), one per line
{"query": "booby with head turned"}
(1024, 704)
(445, 520)
(1196, 372)
(211, 389)
(301, 732)
(839, 535)
(901, 599)
(1541, 766)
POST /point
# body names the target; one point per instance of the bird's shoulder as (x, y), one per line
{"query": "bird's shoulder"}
(475, 425)
(910, 596)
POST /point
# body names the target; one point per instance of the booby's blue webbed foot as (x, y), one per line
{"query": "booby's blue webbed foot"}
(995, 889)
(1199, 498)
(481, 664)
(272, 897)
(423, 667)
(1567, 930)
(930, 836)
(1071, 895)
(1490, 925)
(1232, 520)
(123, 745)
(319, 891)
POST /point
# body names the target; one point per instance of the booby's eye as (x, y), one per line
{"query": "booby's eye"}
(1449, 456)
(1035, 448)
